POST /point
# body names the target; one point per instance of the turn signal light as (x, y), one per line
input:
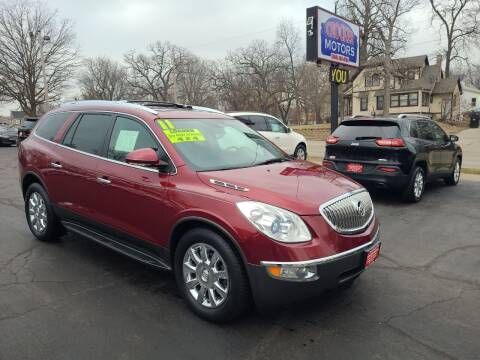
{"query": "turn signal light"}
(390, 142)
(332, 139)
(293, 273)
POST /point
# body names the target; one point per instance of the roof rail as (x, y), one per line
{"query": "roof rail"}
(156, 103)
(417, 116)
(202, 108)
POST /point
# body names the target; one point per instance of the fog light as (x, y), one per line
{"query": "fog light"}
(294, 273)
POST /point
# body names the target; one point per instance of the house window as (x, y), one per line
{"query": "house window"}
(413, 99)
(348, 106)
(364, 103)
(380, 102)
(411, 75)
(425, 99)
(474, 102)
(373, 80)
(394, 100)
(403, 100)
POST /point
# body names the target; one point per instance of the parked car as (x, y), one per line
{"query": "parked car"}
(27, 125)
(401, 153)
(8, 135)
(201, 194)
(276, 131)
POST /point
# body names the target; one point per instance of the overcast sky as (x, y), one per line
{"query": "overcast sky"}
(209, 28)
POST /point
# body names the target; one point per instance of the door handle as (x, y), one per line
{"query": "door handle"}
(103, 180)
(56, 165)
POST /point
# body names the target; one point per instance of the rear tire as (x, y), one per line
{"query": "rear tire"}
(40, 216)
(300, 152)
(211, 277)
(454, 177)
(416, 186)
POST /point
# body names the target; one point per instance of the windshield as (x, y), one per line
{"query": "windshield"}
(219, 144)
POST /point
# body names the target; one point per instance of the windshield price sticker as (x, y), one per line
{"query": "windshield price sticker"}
(180, 135)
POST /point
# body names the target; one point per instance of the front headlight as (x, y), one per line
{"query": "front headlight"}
(276, 223)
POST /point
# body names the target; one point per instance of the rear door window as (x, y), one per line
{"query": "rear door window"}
(90, 133)
(364, 130)
(50, 125)
(259, 122)
(424, 129)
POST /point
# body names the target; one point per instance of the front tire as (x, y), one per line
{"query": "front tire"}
(416, 186)
(40, 216)
(300, 152)
(454, 177)
(210, 276)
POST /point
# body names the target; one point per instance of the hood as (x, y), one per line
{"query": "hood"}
(298, 186)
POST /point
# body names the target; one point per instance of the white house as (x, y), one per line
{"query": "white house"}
(470, 97)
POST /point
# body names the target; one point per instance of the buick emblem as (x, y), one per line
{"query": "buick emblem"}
(359, 207)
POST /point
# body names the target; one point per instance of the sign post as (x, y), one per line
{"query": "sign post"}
(332, 40)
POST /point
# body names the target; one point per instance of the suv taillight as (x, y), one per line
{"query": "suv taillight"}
(390, 142)
(332, 139)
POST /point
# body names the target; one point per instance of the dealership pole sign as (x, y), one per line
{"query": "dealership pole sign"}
(332, 39)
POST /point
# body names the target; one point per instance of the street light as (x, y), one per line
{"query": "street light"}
(43, 40)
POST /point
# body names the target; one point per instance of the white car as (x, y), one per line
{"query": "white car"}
(276, 131)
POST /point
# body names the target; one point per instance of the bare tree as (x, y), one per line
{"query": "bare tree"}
(288, 41)
(231, 88)
(367, 14)
(155, 74)
(314, 90)
(23, 24)
(390, 35)
(260, 65)
(195, 82)
(103, 79)
(460, 19)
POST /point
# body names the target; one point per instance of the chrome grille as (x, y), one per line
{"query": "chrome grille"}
(350, 213)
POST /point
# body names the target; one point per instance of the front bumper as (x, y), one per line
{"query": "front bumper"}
(331, 271)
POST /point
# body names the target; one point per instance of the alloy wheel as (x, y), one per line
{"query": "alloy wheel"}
(37, 212)
(456, 172)
(205, 275)
(418, 185)
(301, 154)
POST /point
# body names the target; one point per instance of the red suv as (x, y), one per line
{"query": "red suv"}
(199, 193)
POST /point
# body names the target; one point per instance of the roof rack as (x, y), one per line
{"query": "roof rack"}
(417, 116)
(156, 103)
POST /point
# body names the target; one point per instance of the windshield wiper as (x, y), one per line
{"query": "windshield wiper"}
(274, 160)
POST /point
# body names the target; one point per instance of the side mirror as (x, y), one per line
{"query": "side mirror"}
(289, 130)
(144, 157)
(453, 138)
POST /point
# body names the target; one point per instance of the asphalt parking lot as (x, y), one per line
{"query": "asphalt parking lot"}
(77, 300)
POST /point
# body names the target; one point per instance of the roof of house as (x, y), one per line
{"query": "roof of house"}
(402, 63)
(446, 86)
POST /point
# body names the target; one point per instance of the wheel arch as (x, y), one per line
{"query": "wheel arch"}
(423, 164)
(28, 179)
(185, 224)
